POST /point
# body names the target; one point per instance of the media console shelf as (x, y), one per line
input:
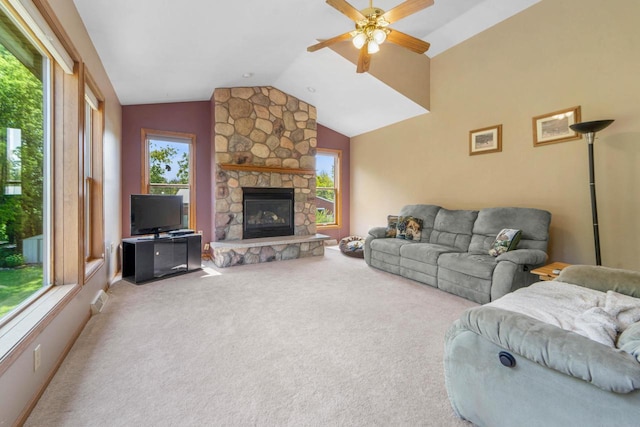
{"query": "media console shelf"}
(148, 258)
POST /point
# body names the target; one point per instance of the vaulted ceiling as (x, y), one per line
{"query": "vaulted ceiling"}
(158, 51)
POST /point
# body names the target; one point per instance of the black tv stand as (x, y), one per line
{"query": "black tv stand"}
(152, 258)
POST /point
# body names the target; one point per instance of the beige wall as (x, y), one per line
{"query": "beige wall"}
(552, 56)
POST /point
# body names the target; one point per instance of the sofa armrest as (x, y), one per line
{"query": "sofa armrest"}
(524, 256)
(567, 352)
(378, 232)
(374, 233)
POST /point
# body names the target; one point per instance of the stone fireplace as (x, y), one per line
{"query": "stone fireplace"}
(264, 140)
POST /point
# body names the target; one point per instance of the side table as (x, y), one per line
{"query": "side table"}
(546, 271)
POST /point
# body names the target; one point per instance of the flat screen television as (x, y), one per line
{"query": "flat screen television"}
(155, 214)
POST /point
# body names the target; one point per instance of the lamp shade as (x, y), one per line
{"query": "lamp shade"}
(372, 47)
(379, 36)
(359, 40)
(588, 127)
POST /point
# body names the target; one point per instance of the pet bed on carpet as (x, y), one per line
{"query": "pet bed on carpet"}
(352, 246)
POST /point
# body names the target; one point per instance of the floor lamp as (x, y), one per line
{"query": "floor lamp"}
(589, 130)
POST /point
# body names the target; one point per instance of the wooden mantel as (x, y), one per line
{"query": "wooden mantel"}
(267, 169)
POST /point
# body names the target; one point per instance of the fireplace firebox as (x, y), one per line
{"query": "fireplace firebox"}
(267, 212)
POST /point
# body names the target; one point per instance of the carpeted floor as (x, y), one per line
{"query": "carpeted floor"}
(323, 341)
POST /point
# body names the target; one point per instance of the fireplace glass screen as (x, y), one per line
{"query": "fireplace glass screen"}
(267, 212)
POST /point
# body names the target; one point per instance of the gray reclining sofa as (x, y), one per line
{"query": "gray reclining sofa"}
(452, 253)
(506, 369)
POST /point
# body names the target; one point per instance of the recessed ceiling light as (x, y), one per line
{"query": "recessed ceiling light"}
(311, 89)
(247, 75)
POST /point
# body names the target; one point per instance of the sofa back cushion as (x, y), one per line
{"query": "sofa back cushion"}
(603, 279)
(427, 213)
(534, 224)
(453, 228)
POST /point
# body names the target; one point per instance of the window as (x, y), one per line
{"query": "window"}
(169, 168)
(89, 107)
(92, 173)
(328, 187)
(25, 233)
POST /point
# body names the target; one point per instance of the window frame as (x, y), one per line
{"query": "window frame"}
(92, 101)
(19, 327)
(178, 137)
(48, 85)
(337, 154)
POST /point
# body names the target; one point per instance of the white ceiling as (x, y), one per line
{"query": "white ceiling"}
(158, 51)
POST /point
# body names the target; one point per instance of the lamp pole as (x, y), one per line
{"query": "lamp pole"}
(589, 130)
(590, 137)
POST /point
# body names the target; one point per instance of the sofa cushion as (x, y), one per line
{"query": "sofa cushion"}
(506, 241)
(629, 340)
(386, 262)
(534, 224)
(465, 286)
(389, 246)
(453, 228)
(425, 252)
(392, 224)
(409, 228)
(427, 213)
(475, 265)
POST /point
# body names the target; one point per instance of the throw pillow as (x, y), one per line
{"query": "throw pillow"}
(409, 228)
(392, 225)
(507, 240)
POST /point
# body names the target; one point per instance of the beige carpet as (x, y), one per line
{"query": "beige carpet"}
(324, 341)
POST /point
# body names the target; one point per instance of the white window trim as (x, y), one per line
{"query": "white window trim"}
(90, 97)
(43, 33)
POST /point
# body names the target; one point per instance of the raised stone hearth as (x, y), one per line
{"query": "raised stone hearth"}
(263, 138)
(254, 251)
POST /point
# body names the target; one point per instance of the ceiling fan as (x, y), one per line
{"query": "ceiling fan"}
(372, 29)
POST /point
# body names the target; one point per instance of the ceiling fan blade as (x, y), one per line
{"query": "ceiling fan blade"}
(405, 9)
(344, 7)
(364, 60)
(410, 42)
(328, 42)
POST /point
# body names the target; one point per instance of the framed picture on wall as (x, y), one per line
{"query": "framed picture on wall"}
(485, 140)
(552, 128)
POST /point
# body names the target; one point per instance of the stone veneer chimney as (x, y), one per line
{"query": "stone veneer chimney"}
(263, 138)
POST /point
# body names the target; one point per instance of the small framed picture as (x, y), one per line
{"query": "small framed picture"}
(485, 140)
(554, 127)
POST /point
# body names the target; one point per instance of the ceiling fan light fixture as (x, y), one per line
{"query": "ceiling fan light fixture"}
(379, 36)
(359, 40)
(372, 29)
(372, 47)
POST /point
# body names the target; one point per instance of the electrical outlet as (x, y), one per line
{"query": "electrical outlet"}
(36, 358)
